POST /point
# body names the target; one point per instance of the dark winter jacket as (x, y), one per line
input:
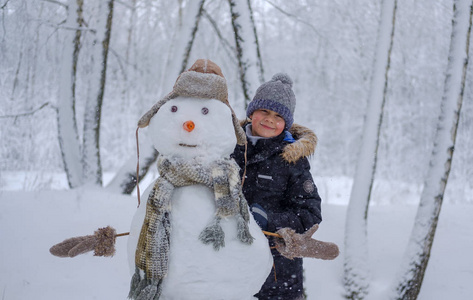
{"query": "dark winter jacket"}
(288, 195)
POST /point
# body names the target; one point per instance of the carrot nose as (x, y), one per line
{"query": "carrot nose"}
(188, 126)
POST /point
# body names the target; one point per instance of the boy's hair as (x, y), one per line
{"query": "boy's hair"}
(276, 95)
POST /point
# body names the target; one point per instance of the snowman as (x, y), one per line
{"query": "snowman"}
(195, 238)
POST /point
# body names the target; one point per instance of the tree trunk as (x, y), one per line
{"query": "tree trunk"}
(417, 255)
(128, 64)
(66, 116)
(125, 179)
(356, 266)
(35, 56)
(181, 45)
(91, 153)
(248, 54)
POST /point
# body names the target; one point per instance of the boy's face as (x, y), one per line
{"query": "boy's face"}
(267, 123)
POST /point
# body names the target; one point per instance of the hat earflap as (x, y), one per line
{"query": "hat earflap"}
(146, 118)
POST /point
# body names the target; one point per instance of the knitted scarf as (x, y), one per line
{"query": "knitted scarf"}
(152, 252)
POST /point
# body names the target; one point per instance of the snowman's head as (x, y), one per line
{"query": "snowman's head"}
(199, 100)
(193, 128)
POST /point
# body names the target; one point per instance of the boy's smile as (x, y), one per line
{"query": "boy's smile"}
(266, 123)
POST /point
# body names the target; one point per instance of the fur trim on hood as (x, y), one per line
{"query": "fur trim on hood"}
(304, 146)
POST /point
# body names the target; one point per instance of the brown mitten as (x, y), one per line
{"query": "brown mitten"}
(293, 245)
(102, 242)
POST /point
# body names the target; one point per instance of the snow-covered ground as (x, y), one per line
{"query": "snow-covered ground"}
(32, 221)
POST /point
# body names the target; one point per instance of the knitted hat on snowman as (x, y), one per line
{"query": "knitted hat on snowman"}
(203, 80)
(276, 95)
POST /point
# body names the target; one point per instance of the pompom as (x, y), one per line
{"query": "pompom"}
(283, 77)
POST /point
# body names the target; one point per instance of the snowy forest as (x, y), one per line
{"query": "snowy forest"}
(386, 85)
(328, 47)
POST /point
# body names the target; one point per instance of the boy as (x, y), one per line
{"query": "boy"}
(278, 185)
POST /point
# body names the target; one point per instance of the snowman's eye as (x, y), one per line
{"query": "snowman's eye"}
(174, 108)
(205, 110)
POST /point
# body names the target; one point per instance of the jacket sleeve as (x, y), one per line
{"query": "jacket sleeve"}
(239, 156)
(302, 201)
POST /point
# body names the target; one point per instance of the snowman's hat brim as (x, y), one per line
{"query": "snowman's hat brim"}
(203, 80)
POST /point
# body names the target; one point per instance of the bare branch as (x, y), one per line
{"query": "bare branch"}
(56, 2)
(219, 34)
(295, 17)
(26, 113)
(5, 4)
(131, 7)
(119, 61)
(58, 26)
(298, 19)
(3, 17)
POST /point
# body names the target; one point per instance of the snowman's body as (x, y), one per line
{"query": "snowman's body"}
(197, 270)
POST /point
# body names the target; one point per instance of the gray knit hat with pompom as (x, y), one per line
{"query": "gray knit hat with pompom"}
(276, 95)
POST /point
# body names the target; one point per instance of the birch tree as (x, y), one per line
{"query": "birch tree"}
(181, 45)
(129, 46)
(417, 254)
(356, 267)
(82, 160)
(66, 117)
(178, 57)
(91, 137)
(247, 48)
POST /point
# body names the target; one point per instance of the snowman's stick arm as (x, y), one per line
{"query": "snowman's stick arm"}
(271, 234)
(292, 244)
(102, 242)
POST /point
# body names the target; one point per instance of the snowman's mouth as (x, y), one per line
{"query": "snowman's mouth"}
(185, 145)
